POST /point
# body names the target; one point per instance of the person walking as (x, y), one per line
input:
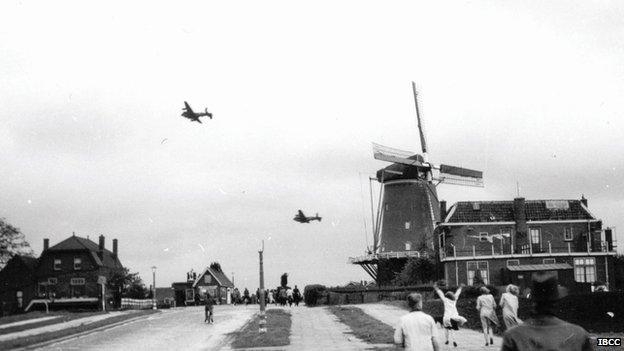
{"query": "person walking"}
(289, 297)
(544, 331)
(509, 304)
(246, 297)
(416, 330)
(486, 306)
(296, 295)
(209, 309)
(451, 319)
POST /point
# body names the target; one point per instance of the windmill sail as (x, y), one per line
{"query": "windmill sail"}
(421, 128)
(389, 154)
(460, 176)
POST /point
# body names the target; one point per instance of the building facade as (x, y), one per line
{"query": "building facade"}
(502, 242)
(211, 281)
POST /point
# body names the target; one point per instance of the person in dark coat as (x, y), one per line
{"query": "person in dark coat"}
(544, 331)
(246, 297)
(296, 295)
(209, 309)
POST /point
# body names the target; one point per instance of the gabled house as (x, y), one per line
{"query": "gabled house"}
(211, 280)
(75, 268)
(18, 283)
(502, 242)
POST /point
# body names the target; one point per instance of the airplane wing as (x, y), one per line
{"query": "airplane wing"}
(188, 107)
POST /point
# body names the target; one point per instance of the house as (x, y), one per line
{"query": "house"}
(71, 272)
(502, 242)
(212, 280)
(18, 283)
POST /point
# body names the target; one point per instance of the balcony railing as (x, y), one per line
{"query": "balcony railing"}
(598, 248)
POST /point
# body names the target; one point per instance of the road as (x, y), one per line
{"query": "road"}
(176, 329)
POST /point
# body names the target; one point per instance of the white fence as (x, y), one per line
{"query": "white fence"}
(136, 304)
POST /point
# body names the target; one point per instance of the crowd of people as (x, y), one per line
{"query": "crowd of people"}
(543, 331)
(282, 296)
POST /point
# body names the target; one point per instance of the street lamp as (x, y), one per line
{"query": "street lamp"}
(154, 287)
(262, 322)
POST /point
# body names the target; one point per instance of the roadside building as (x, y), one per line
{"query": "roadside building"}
(211, 280)
(18, 283)
(502, 242)
(70, 273)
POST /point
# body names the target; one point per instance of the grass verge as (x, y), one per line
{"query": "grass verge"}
(364, 327)
(59, 318)
(44, 337)
(278, 331)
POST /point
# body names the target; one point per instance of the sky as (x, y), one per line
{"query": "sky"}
(92, 142)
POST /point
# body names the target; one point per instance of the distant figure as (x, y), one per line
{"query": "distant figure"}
(451, 320)
(486, 306)
(416, 330)
(509, 304)
(272, 296)
(289, 297)
(246, 298)
(544, 331)
(282, 296)
(208, 309)
(296, 295)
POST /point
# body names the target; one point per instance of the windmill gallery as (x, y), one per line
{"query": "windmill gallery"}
(489, 242)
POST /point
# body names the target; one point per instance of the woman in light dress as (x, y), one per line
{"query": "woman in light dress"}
(486, 306)
(509, 304)
(452, 320)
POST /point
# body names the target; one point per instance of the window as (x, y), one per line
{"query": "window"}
(585, 270)
(483, 236)
(408, 225)
(408, 245)
(207, 279)
(57, 264)
(52, 281)
(549, 261)
(77, 264)
(513, 263)
(478, 272)
(567, 234)
(77, 281)
(535, 236)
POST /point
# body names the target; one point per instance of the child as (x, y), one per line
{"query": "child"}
(209, 309)
(451, 320)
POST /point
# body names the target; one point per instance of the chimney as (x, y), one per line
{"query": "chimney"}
(115, 247)
(46, 244)
(101, 247)
(583, 200)
(442, 210)
(519, 210)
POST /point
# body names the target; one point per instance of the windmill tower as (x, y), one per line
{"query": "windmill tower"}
(409, 208)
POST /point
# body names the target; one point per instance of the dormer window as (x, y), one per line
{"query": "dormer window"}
(483, 236)
(57, 264)
(77, 264)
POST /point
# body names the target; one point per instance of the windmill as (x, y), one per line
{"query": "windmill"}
(409, 208)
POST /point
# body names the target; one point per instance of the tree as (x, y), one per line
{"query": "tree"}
(123, 283)
(216, 266)
(416, 271)
(12, 242)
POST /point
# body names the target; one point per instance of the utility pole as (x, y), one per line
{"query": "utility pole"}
(262, 322)
(154, 287)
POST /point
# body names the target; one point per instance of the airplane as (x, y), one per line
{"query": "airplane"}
(194, 116)
(301, 218)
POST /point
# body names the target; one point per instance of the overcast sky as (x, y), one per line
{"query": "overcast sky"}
(92, 142)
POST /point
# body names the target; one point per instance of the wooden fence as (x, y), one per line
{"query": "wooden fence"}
(136, 304)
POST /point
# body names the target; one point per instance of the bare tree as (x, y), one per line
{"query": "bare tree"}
(12, 242)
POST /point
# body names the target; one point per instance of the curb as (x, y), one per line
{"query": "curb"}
(81, 334)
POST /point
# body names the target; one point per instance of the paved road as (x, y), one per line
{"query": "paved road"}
(176, 329)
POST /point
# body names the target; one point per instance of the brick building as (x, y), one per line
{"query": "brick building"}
(502, 242)
(68, 273)
(73, 267)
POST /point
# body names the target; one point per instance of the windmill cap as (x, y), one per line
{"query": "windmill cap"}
(546, 288)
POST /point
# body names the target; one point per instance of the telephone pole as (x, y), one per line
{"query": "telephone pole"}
(262, 322)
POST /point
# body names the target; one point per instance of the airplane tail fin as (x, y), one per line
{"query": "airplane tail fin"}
(208, 113)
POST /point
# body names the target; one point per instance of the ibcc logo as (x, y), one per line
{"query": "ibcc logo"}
(609, 341)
